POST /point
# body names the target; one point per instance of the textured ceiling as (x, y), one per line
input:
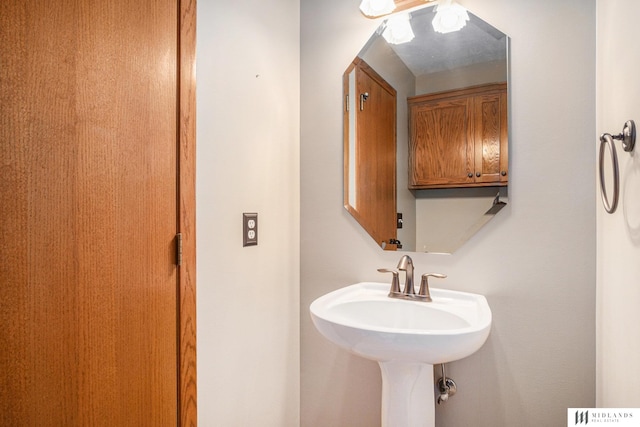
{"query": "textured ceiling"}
(431, 52)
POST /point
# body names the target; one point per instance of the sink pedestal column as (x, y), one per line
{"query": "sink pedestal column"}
(408, 394)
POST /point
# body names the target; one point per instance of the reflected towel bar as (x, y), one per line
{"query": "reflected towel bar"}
(628, 138)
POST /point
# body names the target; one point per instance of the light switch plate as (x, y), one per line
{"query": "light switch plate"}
(249, 229)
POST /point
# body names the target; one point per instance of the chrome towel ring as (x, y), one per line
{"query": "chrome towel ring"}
(628, 138)
(607, 140)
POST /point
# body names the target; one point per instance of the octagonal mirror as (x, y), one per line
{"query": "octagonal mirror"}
(426, 133)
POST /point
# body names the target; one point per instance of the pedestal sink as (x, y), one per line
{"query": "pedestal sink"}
(406, 338)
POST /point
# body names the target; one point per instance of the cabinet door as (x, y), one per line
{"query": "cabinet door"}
(490, 137)
(441, 143)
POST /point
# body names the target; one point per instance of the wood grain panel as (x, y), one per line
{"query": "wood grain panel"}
(376, 156)
(459, 138)
(89, 172)
(490, 137)
(442, 151)
(186, 214)
(375, 152)
(504, 138)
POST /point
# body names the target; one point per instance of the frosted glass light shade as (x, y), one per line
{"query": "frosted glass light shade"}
(398, 29)
(377, 7)
(450, 16)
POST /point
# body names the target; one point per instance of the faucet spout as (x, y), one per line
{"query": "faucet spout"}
(406, 264)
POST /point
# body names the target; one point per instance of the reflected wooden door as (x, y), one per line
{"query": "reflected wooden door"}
(89, 160)
(375, 170)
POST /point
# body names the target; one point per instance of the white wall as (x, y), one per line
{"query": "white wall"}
(535, 261)
(248, 161)
(471, 75)
(618, 91)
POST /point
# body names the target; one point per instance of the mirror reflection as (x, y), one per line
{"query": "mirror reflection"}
(425, 133)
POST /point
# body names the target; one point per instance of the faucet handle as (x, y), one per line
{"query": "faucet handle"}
(423, 293)
(395, 282)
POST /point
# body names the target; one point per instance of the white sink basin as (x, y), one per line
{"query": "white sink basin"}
(406, 338)
(361, 318)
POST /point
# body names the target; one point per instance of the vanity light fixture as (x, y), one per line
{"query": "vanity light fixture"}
(398, 29)
(377, 7)
(450, 16)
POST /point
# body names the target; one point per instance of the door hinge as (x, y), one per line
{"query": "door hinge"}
(179, 249)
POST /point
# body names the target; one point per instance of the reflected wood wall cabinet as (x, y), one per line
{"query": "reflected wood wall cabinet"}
(459, 138)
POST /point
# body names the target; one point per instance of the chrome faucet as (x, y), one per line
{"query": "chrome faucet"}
(406, 264)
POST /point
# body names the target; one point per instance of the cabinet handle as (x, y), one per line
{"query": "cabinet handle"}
(503, 173)
(478, 174)
(470, 175)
